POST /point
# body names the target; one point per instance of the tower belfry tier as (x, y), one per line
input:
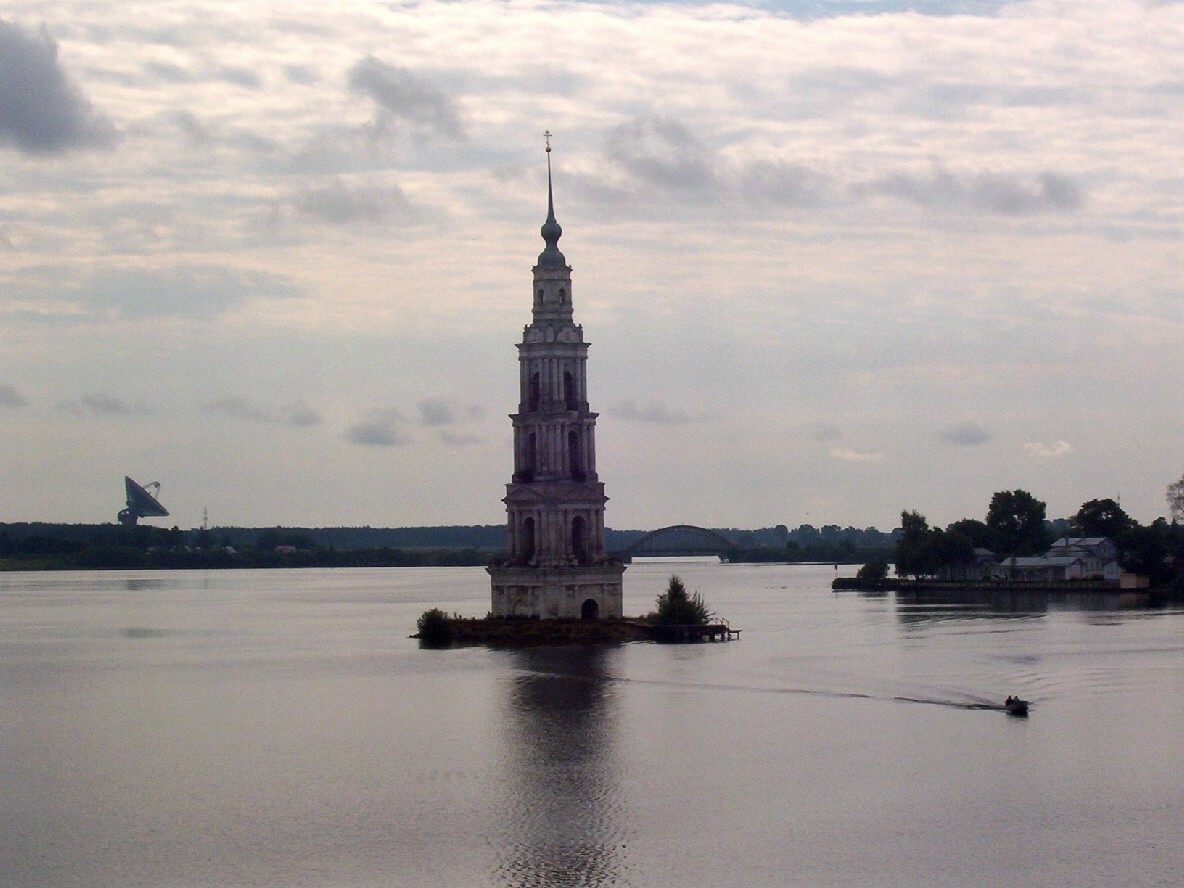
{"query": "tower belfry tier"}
(556, 566)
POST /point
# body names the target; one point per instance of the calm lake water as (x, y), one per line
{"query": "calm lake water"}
(277, 728)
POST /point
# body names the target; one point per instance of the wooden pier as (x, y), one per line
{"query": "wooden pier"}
(694, 633)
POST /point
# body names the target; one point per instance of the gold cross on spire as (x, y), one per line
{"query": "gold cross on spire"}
(547, 136)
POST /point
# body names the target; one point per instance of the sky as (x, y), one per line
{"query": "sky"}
(835, 259)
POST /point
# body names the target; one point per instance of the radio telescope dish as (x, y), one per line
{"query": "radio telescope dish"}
(141, 503)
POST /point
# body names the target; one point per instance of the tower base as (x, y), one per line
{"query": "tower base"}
(563, 592)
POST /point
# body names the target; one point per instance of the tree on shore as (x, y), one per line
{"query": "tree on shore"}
(912, 549)
(1176, 501)
(925, 551)
(974, 530)
(1102, 518)
(1016, 521)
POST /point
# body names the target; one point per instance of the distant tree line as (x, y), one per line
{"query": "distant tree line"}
(86, 546)
(1015, 525)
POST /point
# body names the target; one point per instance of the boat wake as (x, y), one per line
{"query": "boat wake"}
(974, 703)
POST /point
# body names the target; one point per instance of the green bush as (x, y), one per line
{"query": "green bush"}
(435, 628)
(874, 571)
(677, 608)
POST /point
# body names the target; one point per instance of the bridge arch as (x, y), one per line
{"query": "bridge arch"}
(715, 543)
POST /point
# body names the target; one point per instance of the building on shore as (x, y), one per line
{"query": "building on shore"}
(556, 566)
(1069, 558)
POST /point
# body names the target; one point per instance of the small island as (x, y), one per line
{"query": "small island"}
(680, 617)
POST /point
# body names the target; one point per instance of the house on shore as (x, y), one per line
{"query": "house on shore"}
(979, 569)
(1069, 558)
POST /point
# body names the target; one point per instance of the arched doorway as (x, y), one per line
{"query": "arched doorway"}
(590, 609)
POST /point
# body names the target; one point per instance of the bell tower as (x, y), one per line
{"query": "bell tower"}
(556, 566)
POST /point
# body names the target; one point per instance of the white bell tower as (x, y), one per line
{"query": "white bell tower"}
(556, 566)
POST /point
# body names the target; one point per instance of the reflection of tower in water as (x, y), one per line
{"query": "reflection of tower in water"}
(563, 822)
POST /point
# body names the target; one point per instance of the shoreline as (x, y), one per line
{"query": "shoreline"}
(520, 632)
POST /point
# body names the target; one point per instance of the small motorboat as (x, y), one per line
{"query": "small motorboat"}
(1017, 707)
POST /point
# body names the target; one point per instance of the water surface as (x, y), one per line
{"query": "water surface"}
(260, 728)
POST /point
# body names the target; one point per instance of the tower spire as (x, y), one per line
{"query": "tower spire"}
(551, 230)
(550, 193)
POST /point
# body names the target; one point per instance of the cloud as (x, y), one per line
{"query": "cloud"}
(825, 431)
(232, 74)
(662, 151)
(1054, 450)
(10, 396)
(98, 404)
(297, 414)
(433, 412)
(966, 434)
(41, 110)
(784, 184)
(178, 291)
(847, 454)
(1006, 194)
(406, 96)
(654, 412)
(341, 204)
(382, 428)
(457, 440)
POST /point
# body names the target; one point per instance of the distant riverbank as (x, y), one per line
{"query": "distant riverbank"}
(229, 559)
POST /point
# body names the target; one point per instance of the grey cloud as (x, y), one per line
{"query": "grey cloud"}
(383, 428)
(193, 291)
(434, 412)
(297, 414)
(97, 404)
(41, 110)
(662, 151)
(301, 415)
(10, 396)
(340, 204)
(232, 74)
(784, 184)
(243, 77)
(457, 439)
(1004, 194)
(654, 412)
(192, 127)
(438, 412)
(406, 96)
(169, 72)
(305, 75)
(825, 431)
(966, 434)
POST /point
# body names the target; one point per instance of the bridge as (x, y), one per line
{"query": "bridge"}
(681, 540)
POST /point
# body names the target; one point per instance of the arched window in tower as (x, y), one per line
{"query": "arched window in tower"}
(579, 535)
(562, 293)
(571, 398)
(574, 456)
(526, 540)
(533, 394)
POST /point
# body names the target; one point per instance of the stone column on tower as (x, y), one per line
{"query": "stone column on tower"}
(556, 566)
